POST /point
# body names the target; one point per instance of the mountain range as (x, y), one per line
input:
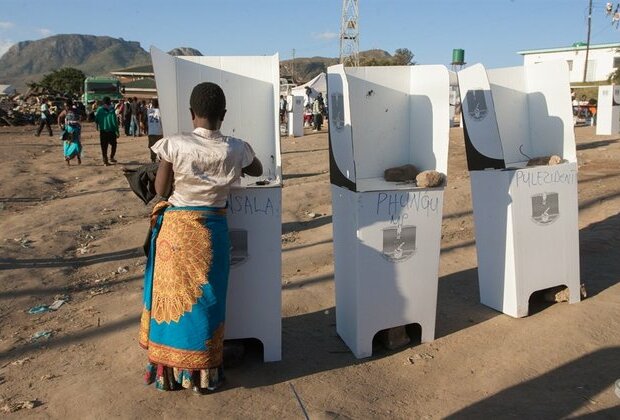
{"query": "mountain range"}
(29, 61)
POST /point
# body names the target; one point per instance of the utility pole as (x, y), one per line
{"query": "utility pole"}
(293, 70)
(585, 67)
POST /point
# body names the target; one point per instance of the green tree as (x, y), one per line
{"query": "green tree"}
(403, 57)
(66, 81)
(615, 77)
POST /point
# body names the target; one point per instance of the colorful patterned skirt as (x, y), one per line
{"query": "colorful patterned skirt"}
(185, 284)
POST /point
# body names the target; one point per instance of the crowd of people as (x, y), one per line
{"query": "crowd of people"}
(136, 117)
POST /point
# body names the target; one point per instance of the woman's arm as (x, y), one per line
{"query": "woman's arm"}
(253, 169)
(164, 178)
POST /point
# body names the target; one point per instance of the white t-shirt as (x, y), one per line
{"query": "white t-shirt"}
(205, 164)
(154, 118)
(44, 110)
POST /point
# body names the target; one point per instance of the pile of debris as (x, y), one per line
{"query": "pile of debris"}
(17, 111)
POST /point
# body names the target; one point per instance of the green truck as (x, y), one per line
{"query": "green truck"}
(97, 87)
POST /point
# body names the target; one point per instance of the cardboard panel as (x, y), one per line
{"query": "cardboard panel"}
(429, 111)
(482, 138)
(508, 87)
(379, 103)
(251, 86)
(526, 234)
(295, 105)
(386, 262)
(254, 285)
(608, 111)
(166, 81)
(342, 166)
(533, 113)
(494, 238)
(346, 267)
(550, 110)
(547, 238)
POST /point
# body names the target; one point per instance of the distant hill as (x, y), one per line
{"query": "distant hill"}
(184, 51)
(307, 68)
(28, 61)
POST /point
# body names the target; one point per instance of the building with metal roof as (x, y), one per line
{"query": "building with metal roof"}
(603, 59)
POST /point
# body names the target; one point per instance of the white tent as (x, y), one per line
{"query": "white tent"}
(318, 84)
(7, 90)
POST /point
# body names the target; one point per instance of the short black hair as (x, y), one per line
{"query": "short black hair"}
(106, 100)
(208, 101)
(155, 103)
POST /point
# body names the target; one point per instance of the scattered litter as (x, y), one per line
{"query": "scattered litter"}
(24, 242)
(312, 215)
(48, 377)
(21, 405)
(2, 380)
(20, 362)
(82, 250)
(122, 270)
(424, 356)
(99, 291)
(41, 334)
(39, 309)
(57, 304)
(120, 216)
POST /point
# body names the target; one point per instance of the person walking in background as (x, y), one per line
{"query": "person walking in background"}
(134, 130)
(186, 275)
(144, 122)
(318, 107)
(107, 124)
(127, 116)
(283, 105)
(155, 131)
(45, 119)
(69, 125)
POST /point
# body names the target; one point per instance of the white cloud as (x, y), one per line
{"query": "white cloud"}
(45, 31)
(5, 44)
(6, 25)
(325, 35)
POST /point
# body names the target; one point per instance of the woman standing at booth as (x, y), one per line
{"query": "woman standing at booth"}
(186, 276)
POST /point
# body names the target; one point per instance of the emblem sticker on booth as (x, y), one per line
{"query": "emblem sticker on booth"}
(545, 208)
(399, 242)
(477, 104)
(238, 246)
(337, 104)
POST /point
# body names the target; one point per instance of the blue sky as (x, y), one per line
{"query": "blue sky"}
(490, 31)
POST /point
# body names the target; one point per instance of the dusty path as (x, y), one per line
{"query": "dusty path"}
(77, 232)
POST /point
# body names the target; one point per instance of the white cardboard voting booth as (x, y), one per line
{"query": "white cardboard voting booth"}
(608, 110)
(295, 110)
(386, 234)
(525, 217)
(251, 86)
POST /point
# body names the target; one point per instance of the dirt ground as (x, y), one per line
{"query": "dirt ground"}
(77, 232)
